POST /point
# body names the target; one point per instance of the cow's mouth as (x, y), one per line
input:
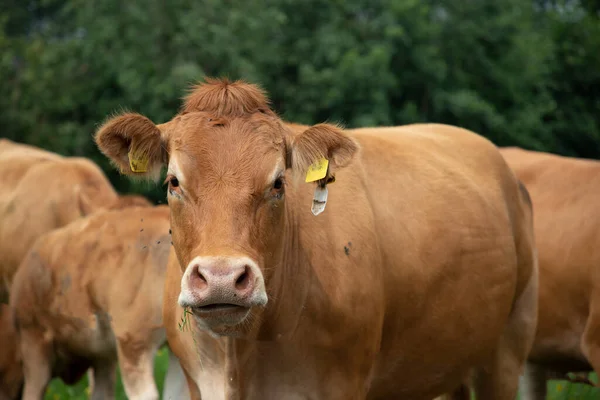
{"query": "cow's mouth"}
(219, 308)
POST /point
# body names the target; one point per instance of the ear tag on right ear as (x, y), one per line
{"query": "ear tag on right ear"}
(319, 200)
(138, 163)
(317, 171)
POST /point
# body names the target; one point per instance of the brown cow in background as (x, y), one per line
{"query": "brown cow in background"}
(89, 294)
(566, 197)
(420, 271)
(41, 191)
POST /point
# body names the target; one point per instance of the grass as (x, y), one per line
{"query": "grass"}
(558, 390)
(564, 390)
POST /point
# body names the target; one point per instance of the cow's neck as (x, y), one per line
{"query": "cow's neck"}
(288, 287)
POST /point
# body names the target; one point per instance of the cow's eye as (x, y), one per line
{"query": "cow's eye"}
(277, 189)
(173, 184)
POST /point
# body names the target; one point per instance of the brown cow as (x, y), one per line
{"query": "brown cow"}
(88, 292)
(41, 191)
(420, 270)
(563, 191)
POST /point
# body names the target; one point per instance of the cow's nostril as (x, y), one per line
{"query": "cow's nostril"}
(198, 279)
(243, 280)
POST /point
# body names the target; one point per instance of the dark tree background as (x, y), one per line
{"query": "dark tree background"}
(521, 72)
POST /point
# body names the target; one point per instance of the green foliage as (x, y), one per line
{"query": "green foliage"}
(521, 73)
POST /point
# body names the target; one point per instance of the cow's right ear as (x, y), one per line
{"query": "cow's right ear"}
(322, 141)
(136, 145)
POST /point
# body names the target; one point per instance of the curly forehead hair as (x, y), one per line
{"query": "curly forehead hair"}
(223, 98)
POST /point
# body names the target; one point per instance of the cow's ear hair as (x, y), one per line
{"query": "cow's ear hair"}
(136, 145)
(322, 141)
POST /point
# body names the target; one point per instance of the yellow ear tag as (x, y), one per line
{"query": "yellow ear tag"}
(317, 171)
(138, 163)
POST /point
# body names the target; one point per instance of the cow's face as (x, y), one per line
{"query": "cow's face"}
(230, 161)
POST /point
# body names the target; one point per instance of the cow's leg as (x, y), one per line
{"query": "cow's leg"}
(175, 384)
(35, 351)
(104, 380)
(136, 360)
(192, 387)
(499, 378)
(534, 382)
(463, 392)
(90, 377)
(37, 370)
(590, 343)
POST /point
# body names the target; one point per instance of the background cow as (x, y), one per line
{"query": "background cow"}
(420, 271)
(41, 191)
(89, 291)
(565, 197)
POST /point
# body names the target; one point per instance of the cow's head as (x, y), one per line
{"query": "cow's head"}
(230, 161)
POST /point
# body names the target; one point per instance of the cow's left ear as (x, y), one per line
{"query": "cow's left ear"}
(134, 144)
(322, 141)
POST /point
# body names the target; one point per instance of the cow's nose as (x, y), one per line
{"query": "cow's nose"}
(222, 281)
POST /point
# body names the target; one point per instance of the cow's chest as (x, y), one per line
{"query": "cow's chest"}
(279, 371)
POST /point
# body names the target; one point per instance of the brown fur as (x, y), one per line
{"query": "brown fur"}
(130, 200)
(564, 192)
(420, 272)
(89, 291)
(11, 372)
(10, 149)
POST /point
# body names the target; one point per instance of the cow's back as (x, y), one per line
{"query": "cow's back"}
(450, 224)
(9, 148)
(565, 196)
(16, 160)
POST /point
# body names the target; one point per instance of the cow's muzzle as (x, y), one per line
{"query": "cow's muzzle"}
(222, 290)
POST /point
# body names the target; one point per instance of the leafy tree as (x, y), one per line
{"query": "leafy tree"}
(519, 72)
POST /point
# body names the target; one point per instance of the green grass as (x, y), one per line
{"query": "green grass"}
(57, 390)
(558, 390)
(565, 390)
